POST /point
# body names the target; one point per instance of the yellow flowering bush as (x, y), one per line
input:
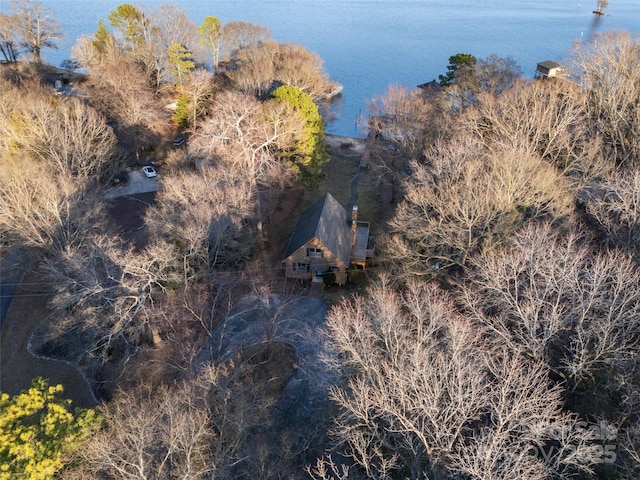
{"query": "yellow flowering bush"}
(37, 429)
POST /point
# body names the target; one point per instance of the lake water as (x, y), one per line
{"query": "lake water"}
(368, 45)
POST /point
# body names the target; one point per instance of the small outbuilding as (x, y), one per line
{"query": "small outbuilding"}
(550, 69)
(325, 241)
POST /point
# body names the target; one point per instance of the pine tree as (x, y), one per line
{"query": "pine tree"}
(181, 115)
(181, 61)
(460, 66)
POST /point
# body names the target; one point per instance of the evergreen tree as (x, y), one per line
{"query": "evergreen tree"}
(131, 23)
(211, 38)
(181, 61)
(309, 152)
(181, 115)
(461, 66)
(101, 40)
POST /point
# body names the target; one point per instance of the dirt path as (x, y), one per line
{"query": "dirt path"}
(17, 366)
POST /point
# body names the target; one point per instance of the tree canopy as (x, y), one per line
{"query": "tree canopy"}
(309, 152)
(211, 38)
(131, 23)
(34, 27)
(460, 65)
(37, 429)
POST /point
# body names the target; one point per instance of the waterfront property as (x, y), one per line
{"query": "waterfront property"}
(550, 69)
(325, 242)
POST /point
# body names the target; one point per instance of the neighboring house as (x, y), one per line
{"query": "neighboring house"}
(430, 89)
(325, 241)
(549, 69)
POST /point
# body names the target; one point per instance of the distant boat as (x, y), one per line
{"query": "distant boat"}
(601, 5)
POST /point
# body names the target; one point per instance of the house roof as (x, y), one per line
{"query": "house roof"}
(325, 220)
(432, 86)
(549, 64)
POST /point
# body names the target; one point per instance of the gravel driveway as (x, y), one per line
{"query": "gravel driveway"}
(137, 182)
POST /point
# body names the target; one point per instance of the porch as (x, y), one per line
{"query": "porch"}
(360, 251)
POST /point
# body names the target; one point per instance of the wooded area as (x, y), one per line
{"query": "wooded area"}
(495, 336)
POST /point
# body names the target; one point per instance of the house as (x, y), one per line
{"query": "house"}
(430, 89)
(549, 69)
(324, 241)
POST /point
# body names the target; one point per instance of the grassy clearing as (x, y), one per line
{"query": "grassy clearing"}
(338, 176)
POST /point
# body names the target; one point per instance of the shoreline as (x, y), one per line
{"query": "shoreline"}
(355, 144)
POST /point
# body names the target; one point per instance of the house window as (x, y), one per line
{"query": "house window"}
(314, 252)
(301, 267)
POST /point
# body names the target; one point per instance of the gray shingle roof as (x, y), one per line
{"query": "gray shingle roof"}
(549, 64)
(325, 220)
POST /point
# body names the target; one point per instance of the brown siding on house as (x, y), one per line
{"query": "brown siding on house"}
(324, 263)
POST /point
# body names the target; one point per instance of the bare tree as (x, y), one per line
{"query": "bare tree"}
(257, 67)
(561, 304)
(204, 214)
(629, 441)
(170, 26)
(156, 433)
(608, 65)
(174, 27)
(68, 137)
(121, 92)
(240, 35)
(462, 199)
(531, 117)
(7, 38)
(615, 205)
(199, 88)
(405, 117)
(497, 74)
(245, 135)
(303, 69)
(34, 26)
(425, 398)
(13, 99)
(52, 152)
(192, 430)
(43, 210)
(104, 295)
(253, 70)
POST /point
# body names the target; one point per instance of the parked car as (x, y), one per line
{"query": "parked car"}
(149, 171)
(178, 141)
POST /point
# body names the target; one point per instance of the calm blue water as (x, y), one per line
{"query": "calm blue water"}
(367, 45)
